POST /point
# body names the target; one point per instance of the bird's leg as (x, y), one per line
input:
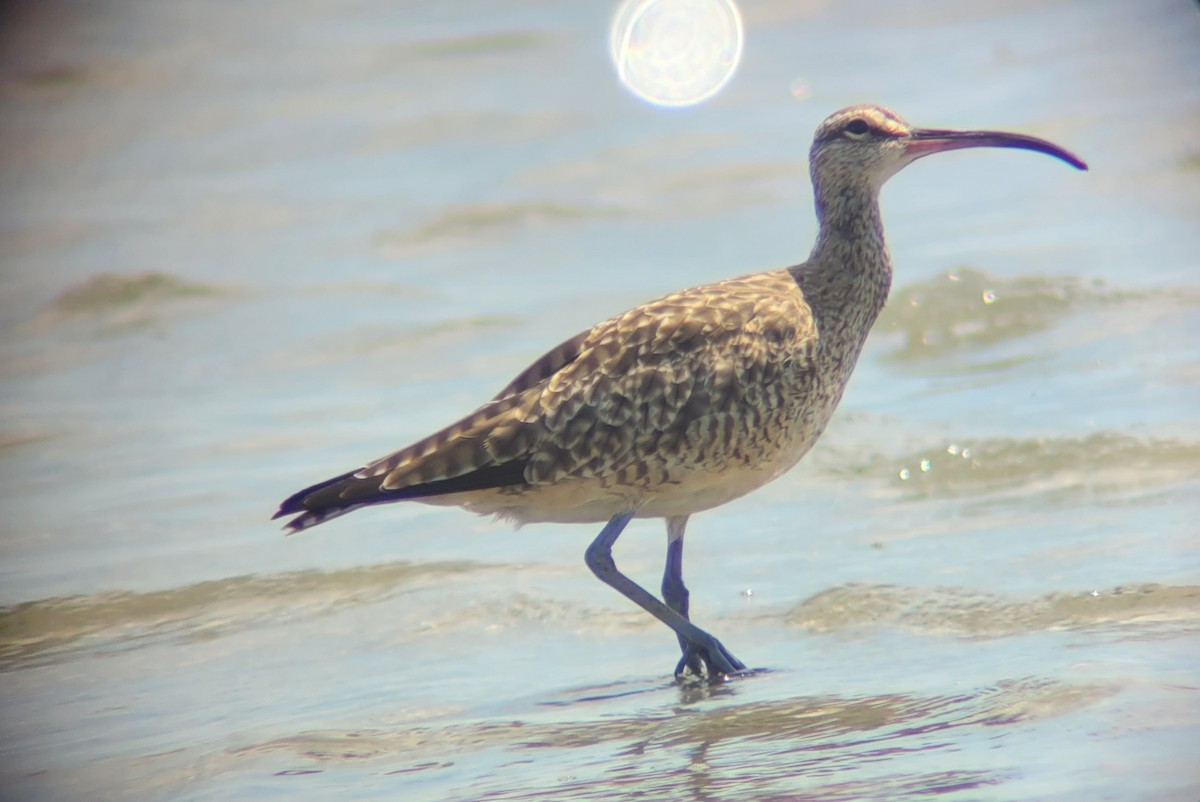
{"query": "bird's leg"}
(709, 649)
(675, 593)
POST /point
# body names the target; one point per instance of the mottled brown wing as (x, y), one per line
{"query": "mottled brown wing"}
(700, 376)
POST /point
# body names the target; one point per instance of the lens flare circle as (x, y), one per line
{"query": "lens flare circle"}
(676, 52)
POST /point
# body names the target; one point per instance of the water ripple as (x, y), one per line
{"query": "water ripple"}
(54, 628)
(969, 309)
(974, 614)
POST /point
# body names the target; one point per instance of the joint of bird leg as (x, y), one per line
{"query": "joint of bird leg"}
(599, 559)
(679, 593)
(676, 596)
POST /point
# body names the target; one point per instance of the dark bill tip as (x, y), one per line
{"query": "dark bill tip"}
(924, 141)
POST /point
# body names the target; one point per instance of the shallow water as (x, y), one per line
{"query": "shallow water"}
(247, 250)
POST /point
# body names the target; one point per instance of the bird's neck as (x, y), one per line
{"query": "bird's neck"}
(849, 272)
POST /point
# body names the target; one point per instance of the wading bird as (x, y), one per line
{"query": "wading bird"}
(684, 403)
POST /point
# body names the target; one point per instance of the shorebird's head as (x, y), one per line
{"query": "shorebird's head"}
(864, 146)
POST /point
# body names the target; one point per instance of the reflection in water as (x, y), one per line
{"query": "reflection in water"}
(832, 748)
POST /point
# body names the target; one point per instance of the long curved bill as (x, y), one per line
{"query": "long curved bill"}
(924, 141)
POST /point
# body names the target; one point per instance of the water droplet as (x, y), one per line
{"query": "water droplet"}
(925, 466)
(966, 453)
(747, 593)
(904, 474)
(952, 276)
(989, 297)
(952, 450)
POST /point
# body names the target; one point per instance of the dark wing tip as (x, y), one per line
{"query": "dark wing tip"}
(310, 510)
(346, 493)
(312, 518)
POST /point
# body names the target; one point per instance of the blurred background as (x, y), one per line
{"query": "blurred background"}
(247, 246)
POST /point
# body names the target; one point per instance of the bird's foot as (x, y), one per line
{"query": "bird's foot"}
(708, 659)
(689, 664)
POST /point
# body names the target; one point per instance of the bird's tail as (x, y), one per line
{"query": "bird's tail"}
(346, 493)
(313, 515)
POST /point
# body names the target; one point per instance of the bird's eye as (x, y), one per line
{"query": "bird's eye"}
(857, 127)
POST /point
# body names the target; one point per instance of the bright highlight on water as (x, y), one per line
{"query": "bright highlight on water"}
(676, 52)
